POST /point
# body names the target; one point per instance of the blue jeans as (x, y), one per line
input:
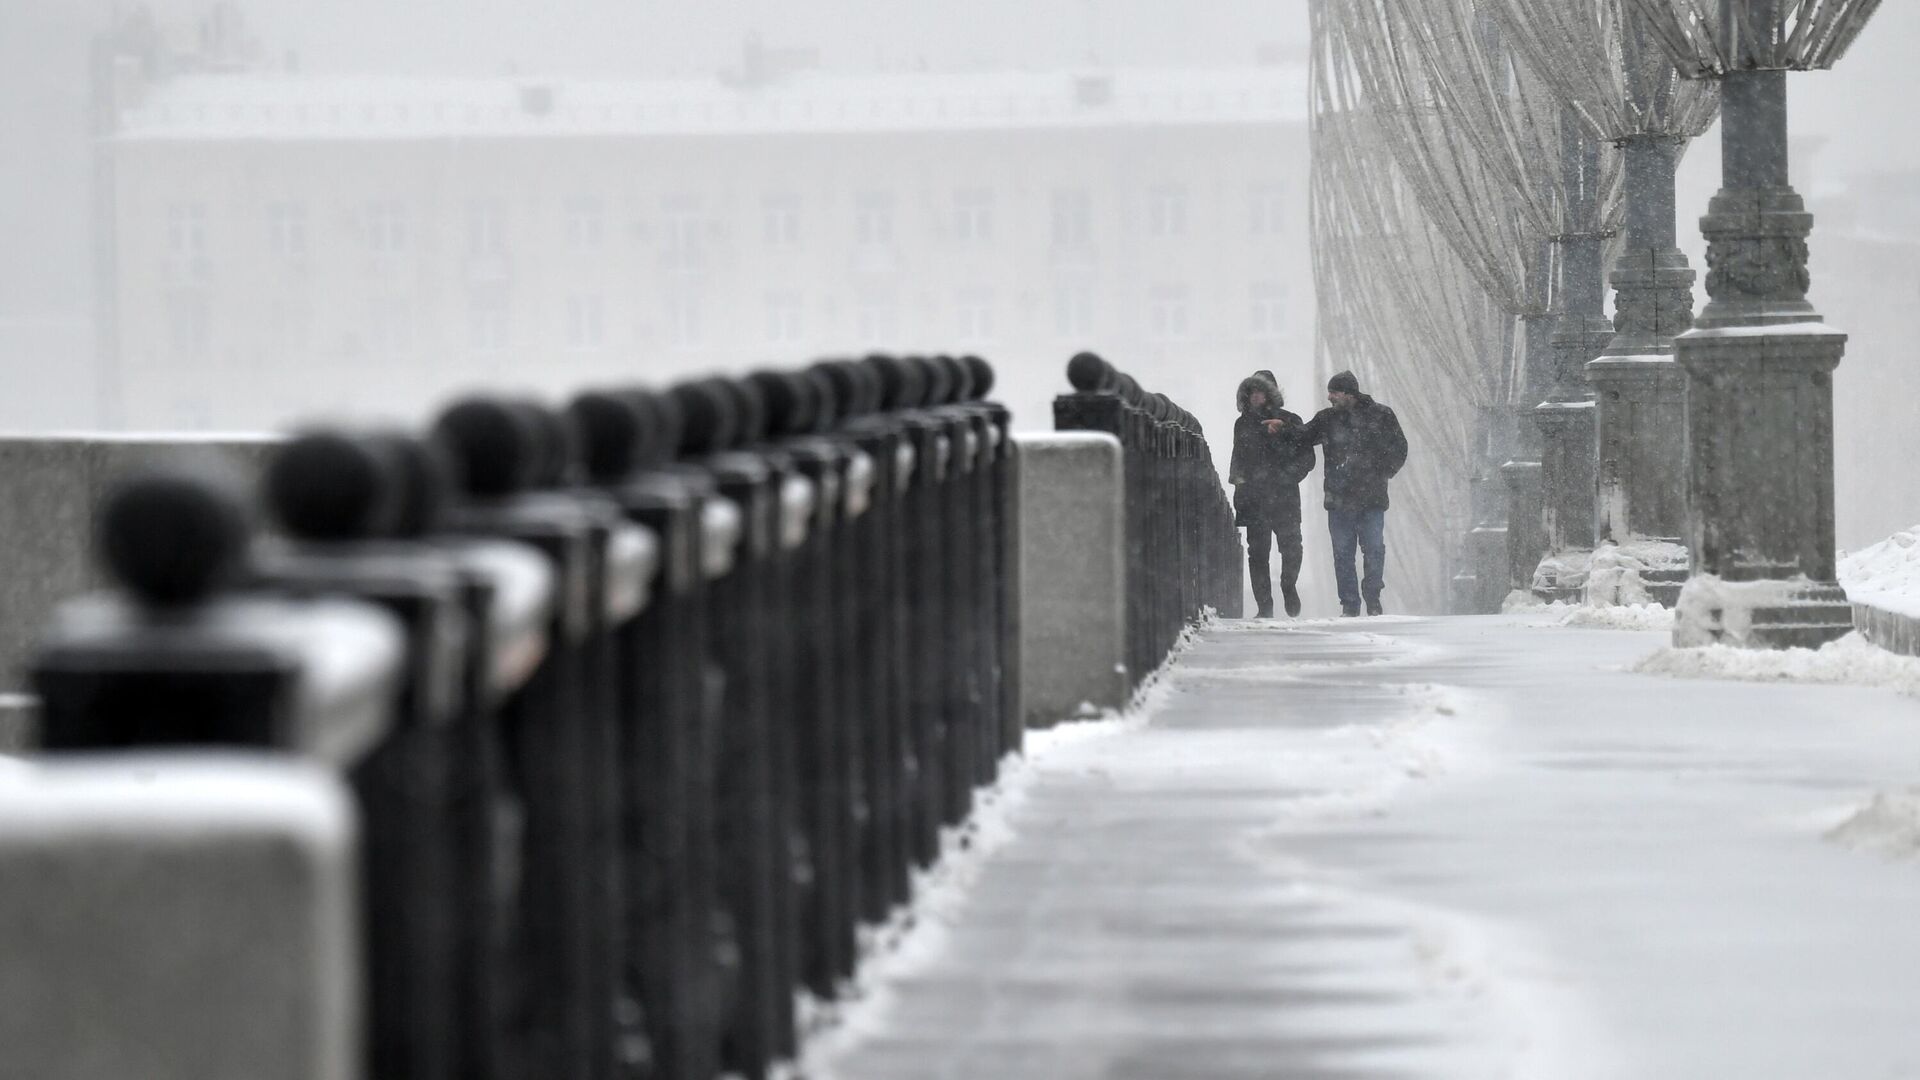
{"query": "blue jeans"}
(1368, 529)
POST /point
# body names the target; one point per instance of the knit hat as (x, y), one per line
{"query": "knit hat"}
(1345, 383)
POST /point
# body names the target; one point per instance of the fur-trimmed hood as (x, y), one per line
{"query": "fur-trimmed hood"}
(1264, 382)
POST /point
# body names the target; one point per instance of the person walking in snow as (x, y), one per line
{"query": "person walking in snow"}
(1365, 448)
(1266, 471)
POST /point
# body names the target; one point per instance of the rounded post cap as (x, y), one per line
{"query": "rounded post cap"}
(174, 537)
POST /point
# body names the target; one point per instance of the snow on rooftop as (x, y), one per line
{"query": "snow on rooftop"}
(291, 106)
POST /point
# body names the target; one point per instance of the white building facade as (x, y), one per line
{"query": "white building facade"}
(283, 246)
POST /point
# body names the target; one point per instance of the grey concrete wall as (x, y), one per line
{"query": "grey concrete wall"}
(1073, 576)
(50, 486)
(1890, 630)
(170, 918)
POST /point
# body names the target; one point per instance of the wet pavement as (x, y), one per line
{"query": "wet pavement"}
(1389, 848)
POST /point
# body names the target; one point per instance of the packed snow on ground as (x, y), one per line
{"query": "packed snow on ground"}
(1889, 825)
(1886, 575)
(1852, 660)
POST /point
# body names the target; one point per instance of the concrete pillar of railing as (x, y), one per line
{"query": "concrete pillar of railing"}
(1073, 567)
(177, 918)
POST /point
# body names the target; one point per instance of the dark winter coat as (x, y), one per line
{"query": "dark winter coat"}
(1365, 448)
(1267, 468)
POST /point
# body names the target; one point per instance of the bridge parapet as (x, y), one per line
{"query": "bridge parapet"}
(643, 705)
(1182, 554)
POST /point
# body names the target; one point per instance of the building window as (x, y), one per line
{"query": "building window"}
(1267, 310)
(780, 220)
(387, 228)
(973, 214)
(1072, 310)
(873, 218)
(1267, 209)
(390, 328)
(973, 315)
(291, 324)
(190, 324)
(1167, 312)
(489, 329)
(586, 218)
(586, 322)
(1072, 217)
(876, 322)
(1167, 211)
(683, 322)
(187, 230)
(487, 229)
(287, 229)
(685, 233)
(784, 312)
(187, 241)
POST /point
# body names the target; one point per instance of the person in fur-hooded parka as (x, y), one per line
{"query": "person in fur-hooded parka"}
(1266, 472)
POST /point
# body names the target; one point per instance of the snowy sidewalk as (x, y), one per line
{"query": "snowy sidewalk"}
(1471, 848)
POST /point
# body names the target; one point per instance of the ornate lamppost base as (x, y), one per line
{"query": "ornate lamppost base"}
(1526, 540)
(1640, 507)
(1566, 458)
(1760, 413)
(1761, 614)
(1487, 556)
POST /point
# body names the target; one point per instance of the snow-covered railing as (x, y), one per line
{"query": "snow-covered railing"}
(645, 704)
(1183, 556)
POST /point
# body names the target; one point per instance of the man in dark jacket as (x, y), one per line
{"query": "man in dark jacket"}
(1364, 449)
(1268, 465)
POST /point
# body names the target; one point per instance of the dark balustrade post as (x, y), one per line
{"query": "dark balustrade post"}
(753, 870)
(1181, 551)
(513, 458)
(669, 750)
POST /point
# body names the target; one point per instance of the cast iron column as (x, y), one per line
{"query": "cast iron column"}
(1760, 400)
(1639, 391)
(1565, 418)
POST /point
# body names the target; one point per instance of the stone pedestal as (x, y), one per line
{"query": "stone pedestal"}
(1640, 422)
(1482, 582)
(1566, 493)
(1640, 414)
(1526, 540)
(1760, 415)
(1073, 573)
(178, 917)
(1487, 555)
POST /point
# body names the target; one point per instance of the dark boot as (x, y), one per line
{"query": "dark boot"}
(1373, 606)
(1290, 558)
(1261, 575)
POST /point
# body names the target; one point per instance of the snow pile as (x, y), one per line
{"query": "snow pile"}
(1851, 661)
(1639, 616)
(1564, 571)
(1887, 574)
(1590, 616)
(1714, 610)
(1889, 826)
(1617, 574)
(1522, 602)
